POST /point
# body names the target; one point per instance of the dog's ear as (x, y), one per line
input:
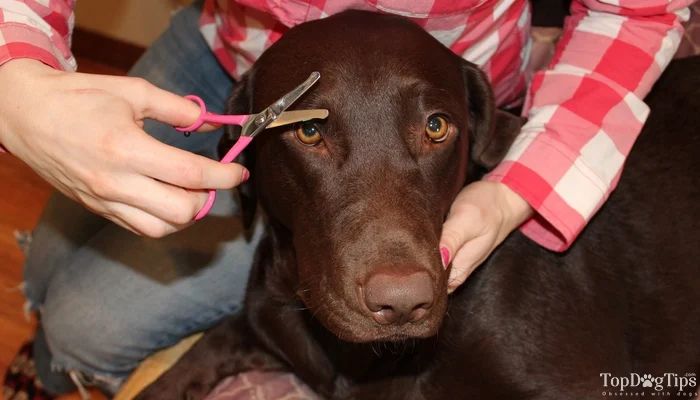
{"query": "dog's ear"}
(241, 102)
(492, 131)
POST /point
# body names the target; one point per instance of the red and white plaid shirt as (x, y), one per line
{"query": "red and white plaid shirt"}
(585, 111)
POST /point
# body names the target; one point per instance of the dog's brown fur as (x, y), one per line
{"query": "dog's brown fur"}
(528, 324)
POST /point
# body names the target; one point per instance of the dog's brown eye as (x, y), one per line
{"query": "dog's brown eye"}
(308, 133)
(437, 128)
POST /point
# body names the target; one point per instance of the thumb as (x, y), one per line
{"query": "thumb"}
(456, 231)
(150, 101)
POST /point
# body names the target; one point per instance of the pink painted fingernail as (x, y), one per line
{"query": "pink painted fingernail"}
(445, 254)
(246, 175)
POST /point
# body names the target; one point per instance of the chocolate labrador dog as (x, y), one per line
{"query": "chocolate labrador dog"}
(348, 291)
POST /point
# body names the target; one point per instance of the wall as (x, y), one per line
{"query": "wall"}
(134, 21)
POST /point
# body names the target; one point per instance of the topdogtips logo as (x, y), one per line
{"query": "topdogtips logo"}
(654, 385)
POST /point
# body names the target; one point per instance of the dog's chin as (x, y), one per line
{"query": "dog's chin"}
(353, 326)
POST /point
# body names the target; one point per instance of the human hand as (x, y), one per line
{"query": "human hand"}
(83, 134)
(482, 215)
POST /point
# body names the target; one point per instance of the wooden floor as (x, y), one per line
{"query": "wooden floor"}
(22, 197)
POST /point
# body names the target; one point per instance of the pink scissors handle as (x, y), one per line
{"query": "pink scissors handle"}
(237, 148)
(205, 116)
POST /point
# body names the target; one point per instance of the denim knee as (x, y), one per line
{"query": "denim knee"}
(105, 346)
(102, 350)
(123, 297)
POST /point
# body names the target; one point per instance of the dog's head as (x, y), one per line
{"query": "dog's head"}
(363, 194)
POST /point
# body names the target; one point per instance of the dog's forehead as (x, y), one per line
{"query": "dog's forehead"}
(357, 51)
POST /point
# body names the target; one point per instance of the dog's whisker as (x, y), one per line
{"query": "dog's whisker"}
(375, 350)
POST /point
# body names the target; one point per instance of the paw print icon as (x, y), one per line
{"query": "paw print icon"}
(646, 381)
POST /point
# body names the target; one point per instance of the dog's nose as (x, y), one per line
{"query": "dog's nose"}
(397, 299)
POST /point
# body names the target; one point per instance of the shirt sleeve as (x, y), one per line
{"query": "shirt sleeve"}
(585, 111)
(36, 29)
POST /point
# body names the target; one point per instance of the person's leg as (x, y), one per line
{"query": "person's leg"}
(109, 298)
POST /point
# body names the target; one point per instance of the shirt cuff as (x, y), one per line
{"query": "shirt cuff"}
(563, 204)
(21, 41)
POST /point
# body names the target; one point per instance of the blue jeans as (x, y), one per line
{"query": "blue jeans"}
(108, 298)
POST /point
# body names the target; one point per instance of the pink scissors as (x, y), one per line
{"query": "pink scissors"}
(274, 115)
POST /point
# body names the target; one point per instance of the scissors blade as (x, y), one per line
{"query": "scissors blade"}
(290, 117)
(288, 99)
(261, 120)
